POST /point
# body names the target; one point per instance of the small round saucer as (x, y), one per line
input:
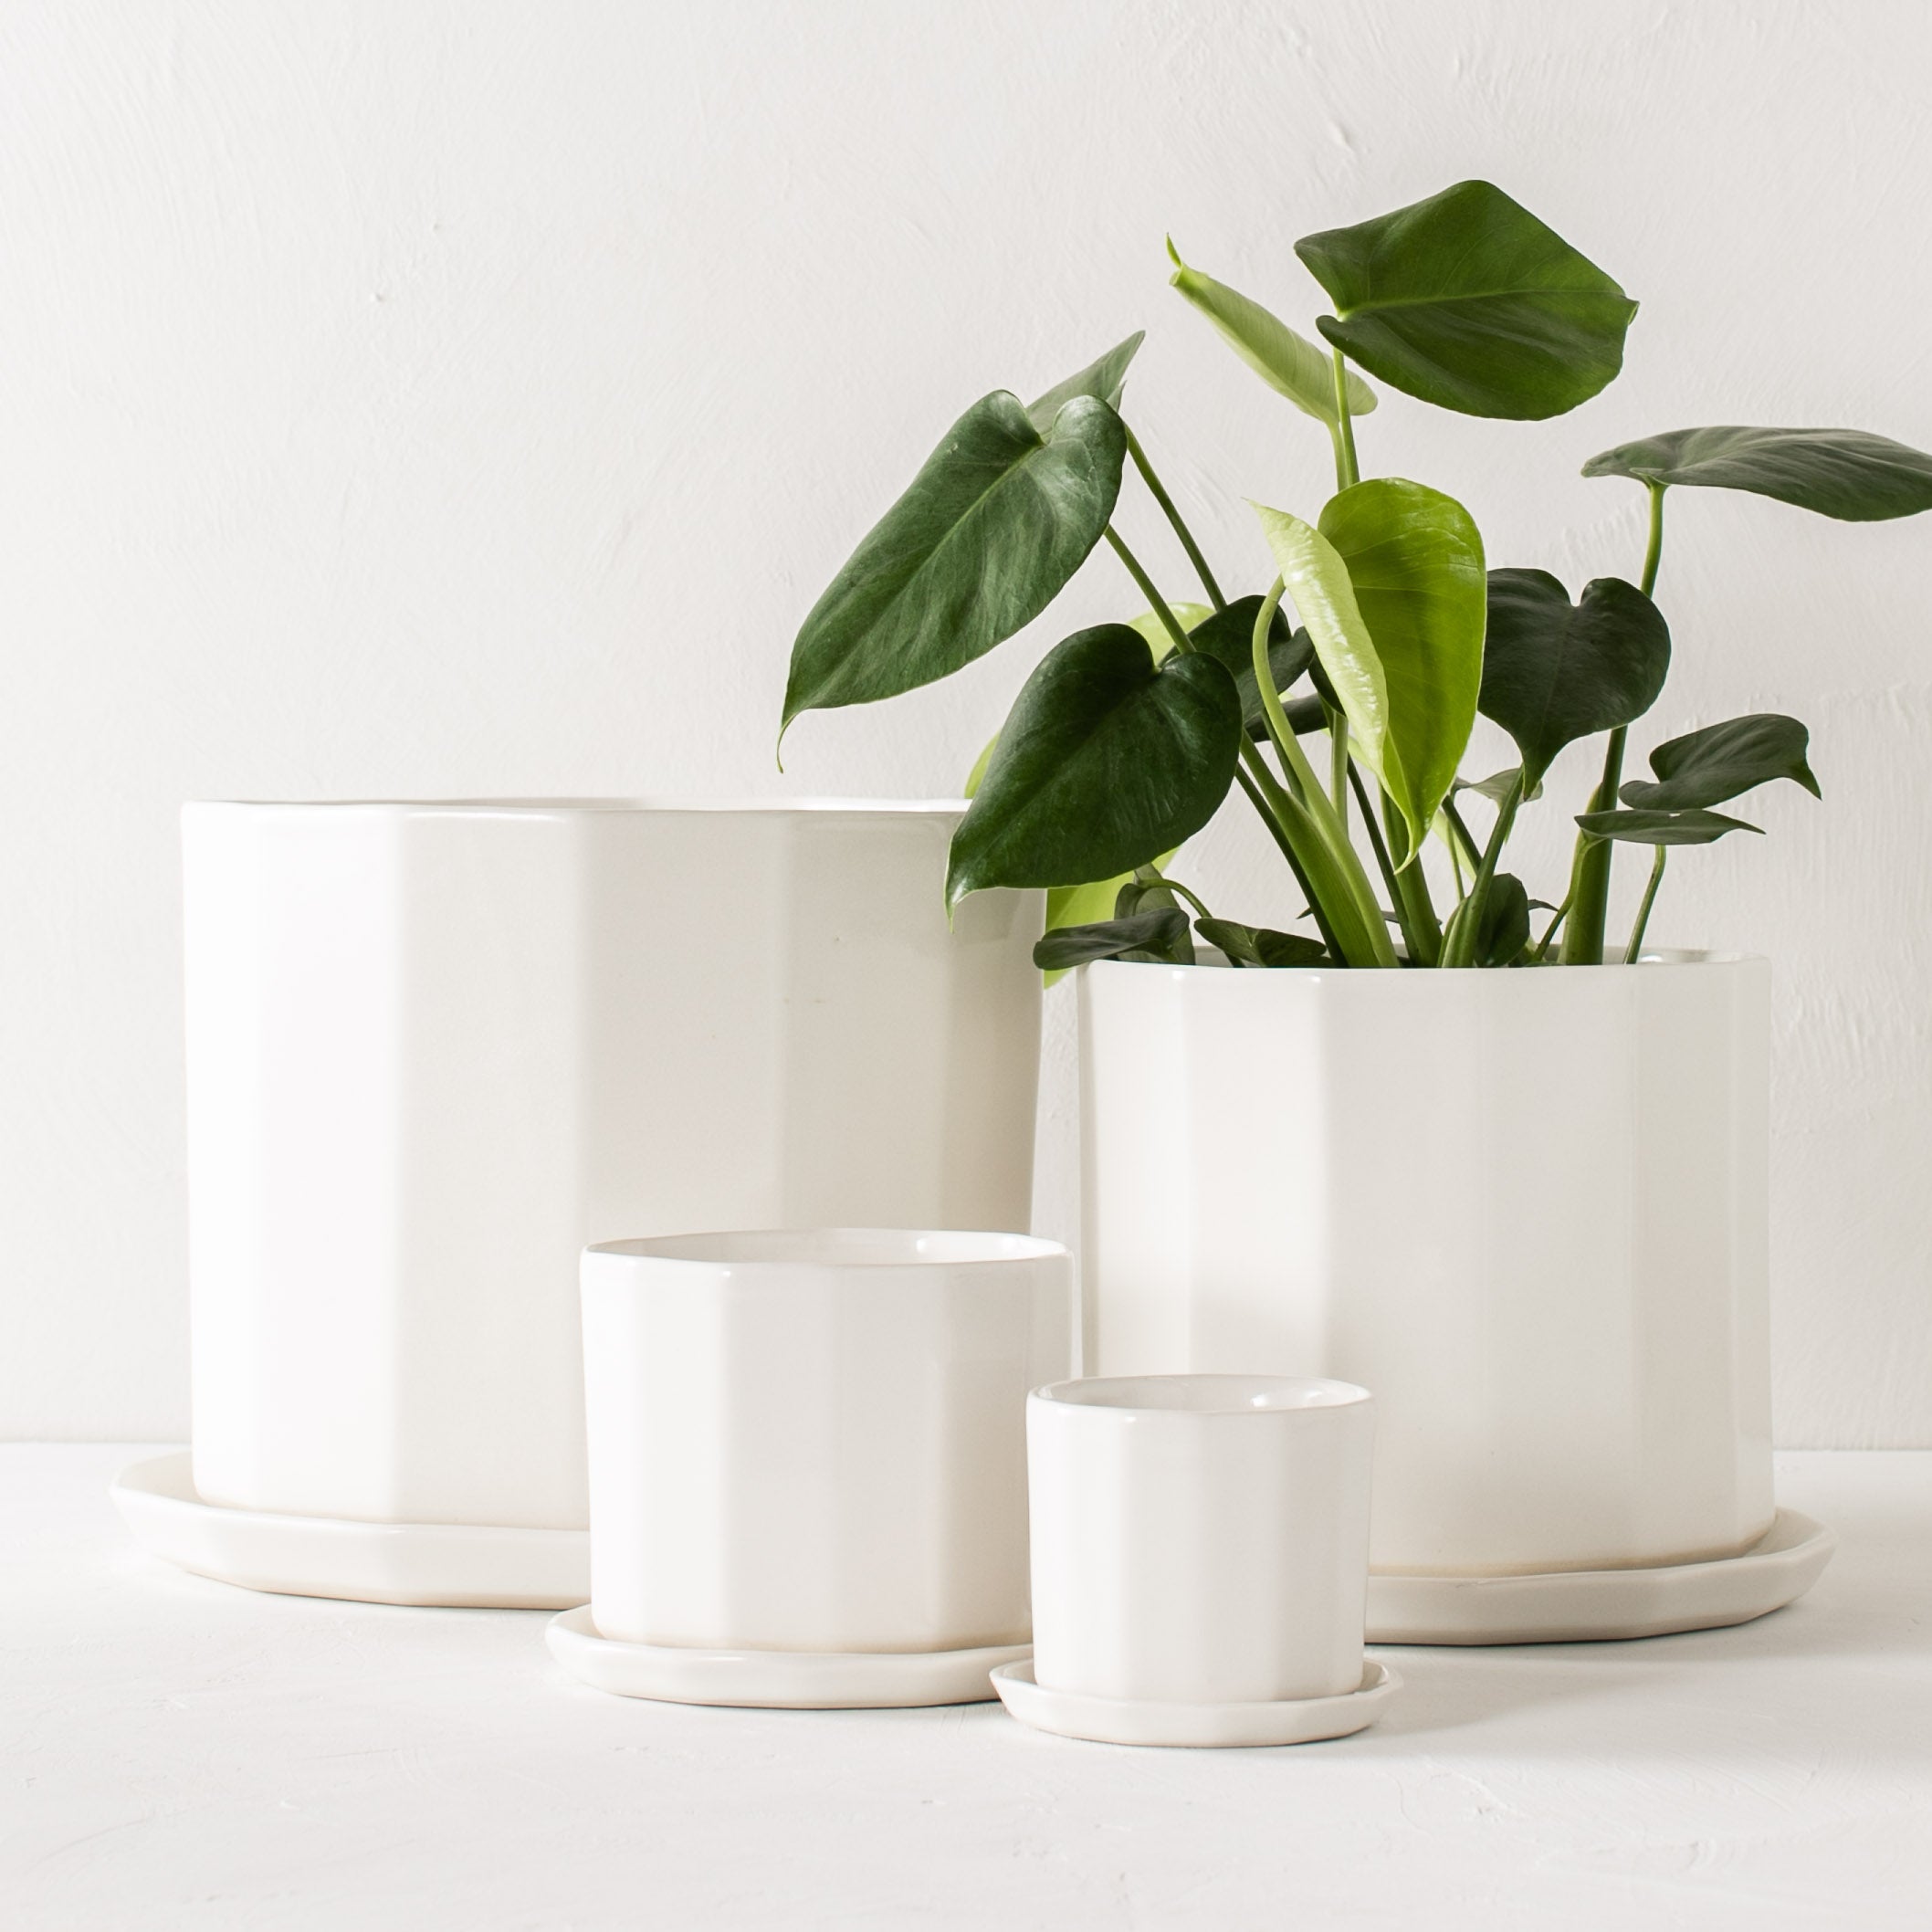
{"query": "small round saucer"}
(465, 1565)
(775, 1679)
(1112, 1720)
(1578, 1606)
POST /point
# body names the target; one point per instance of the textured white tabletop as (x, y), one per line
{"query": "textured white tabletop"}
(177, 1753)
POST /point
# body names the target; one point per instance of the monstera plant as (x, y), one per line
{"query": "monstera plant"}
(1128, 737)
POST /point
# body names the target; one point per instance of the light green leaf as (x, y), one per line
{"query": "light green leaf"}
(1415, 560)
(1160, 639)
(1107, 761)
(1287, 363)
(1849, 474)
(983, 540)
(972, 786)
(1470, 302)
(1103, 379)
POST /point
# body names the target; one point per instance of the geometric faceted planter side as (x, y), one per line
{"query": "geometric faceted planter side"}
(1527, 1210)
(435, 1050)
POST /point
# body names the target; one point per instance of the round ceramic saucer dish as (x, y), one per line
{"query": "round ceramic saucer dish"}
(775, 1679)
(1587, 1605)
(467, 1566)
(1112, 1720)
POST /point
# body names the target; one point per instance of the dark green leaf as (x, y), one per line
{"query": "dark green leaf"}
(1849, 474)
(1261, 945)
(1662, 828)
(1161, 936)
(1103, 379)
(1228, 635)
(1287, 363)
(1505, 932)
(1468, 302)
(1706, 767)
(991, 530)
(1553, 672)
(1106, 763)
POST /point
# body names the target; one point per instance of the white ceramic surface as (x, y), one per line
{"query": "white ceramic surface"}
(1107, 1721)
(1585, 1605)
(775, 1679)
(816, 1441)
(436, 1049)
(311, 1556)
(1200, 1539)
(1527, 1209)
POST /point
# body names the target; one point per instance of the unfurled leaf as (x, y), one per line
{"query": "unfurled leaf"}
(1160, 639)
(1105, 761)
(1554, 671)
(986, 537)
(1468, 302)
(1285, 362)
(1662, 828)
(1159, 936)
(1498, 786)
(1414, 562)
(1849, 474)
(1228, 635)
(1102, 378)
(1261, 945)
(1706, 767)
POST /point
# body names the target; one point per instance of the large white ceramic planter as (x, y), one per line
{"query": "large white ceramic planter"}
(1527, 1209)
(815, 1442)
(434, 1050)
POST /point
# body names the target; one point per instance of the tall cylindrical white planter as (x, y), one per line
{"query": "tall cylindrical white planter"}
(1527, 1209)
(434, 1050)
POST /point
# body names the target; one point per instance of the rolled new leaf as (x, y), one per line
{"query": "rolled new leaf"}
(1849, 474)
(1706, 767)
(1662, 828)
(1155, 936)
(1554, 672)
(1107, 761)
(986, 537)
(1104, 379)
(1288, 364)
(1468, 302)
(1261, 945)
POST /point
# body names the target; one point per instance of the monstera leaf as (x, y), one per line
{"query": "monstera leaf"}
(986, 537)
(1107, 761)
(1103, 379)
(1228, 635)
(1662, 828)
(1470, 302)
(1287, 363)
(1261, 945)
(1704, 768)
(1849, 474)
(1141, 936)
(1554, 671)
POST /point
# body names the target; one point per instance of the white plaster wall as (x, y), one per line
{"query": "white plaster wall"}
(468, 398)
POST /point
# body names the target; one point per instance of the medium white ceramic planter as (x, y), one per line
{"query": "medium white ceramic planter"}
(434, 1050)
(1527, 1209)
(815, 1442)
(1200, 1539)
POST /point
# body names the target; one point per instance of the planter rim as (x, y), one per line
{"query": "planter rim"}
(557, 807)
(756, 1252)
(1204, 1396)
(1653, 956)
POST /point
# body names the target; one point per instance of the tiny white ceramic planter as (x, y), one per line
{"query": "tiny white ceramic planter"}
(434, 1050)
(1200, 1539)
(1527, 1209)
(815, 1442)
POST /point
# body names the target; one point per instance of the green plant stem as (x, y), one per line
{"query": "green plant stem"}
(1541, 949)
(1471, 853)
(1329, 936)
(1421, 931)
(1174, 885)
(1338, 764)
(1589, 869)
(1636, 947)
(1173, 517)
(1169, 623)
(1459, 943)
(1347, 471)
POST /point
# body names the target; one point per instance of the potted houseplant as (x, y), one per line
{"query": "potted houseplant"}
(1446, 1140)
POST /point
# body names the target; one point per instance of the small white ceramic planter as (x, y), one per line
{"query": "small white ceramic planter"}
(1199, 1538)
(434, 1050)
(815, 1443)
(1528, 1209)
